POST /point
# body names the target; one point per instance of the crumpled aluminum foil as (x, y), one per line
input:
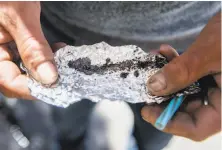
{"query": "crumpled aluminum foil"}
(100, 71)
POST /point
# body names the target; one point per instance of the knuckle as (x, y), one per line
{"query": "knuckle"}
(33, 53)
(7, 20)
(33, 59)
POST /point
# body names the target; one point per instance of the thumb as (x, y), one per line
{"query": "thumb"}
(178, 74)
(202, 58)
(34, 50)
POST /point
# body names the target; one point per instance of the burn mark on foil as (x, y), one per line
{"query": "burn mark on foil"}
(108, 60)
(84, 65)
(124, 75)
(160, 61)
(136, 73)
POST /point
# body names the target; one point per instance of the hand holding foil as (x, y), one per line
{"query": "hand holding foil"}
(196, 120)
(103, 72)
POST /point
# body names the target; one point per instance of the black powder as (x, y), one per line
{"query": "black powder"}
(124, 74)
(84, 65)
(136, 73)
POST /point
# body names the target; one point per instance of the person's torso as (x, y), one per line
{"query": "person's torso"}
(130, 22)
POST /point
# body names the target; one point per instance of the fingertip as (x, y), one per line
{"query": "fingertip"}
(145, 114)
(157, 83)
(168, 51)
(154, 51)
(160, 83)
(57, 46)
(47, 72)
(166, 47)
(38, 58)
(174, 76)
(150, 113)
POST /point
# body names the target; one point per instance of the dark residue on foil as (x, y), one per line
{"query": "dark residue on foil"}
(84, 65)
(124, 74)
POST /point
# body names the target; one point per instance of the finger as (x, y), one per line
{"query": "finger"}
(32, 45)
(193, 105)
(193, 64)
(5, 37)
(167, 51)
(23, 92)
(207, 119)
(176, 75)
(57, 46)
(4, 53)
(12, 83)
(151, 112)
(204, 122)
(178, 127)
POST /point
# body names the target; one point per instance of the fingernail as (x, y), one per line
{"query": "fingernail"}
(145, 114)
(144, 119)
(47, 72)
(157, 82)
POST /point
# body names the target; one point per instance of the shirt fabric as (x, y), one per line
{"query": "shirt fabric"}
(146, 24)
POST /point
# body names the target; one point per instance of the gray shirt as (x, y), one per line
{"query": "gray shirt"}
(143, 23)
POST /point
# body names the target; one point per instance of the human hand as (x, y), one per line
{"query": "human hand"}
(196, 121)
(20, 22)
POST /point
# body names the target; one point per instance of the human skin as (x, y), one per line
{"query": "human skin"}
(197, 121)
(20, 22)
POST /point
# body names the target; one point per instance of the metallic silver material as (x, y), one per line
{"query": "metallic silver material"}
(100, 71)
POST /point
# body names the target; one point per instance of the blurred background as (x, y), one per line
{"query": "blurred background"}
(33, 125)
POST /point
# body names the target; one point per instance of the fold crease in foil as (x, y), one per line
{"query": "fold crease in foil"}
(100, 71)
